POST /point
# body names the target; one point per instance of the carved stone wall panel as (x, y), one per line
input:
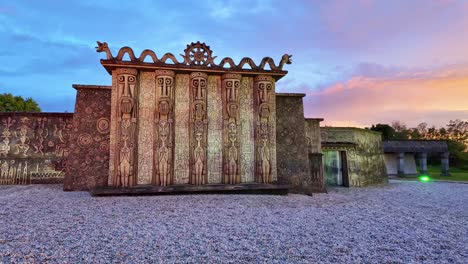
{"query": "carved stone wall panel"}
(246, 110)
(265, 149)
(198, 128)
(312, 130)
(33, 144)
(215, 129)
(164, 128)
(88, 161)
(231, 128)
(125, 145)
(181, 127)
(146, 110)
(272, 100)
(113, 129)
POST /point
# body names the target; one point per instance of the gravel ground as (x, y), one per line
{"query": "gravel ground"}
(403, 222)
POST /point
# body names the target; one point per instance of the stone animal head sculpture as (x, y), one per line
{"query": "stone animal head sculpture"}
(103, 47)
(286, 59)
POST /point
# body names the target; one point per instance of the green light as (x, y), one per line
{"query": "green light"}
(424, 178)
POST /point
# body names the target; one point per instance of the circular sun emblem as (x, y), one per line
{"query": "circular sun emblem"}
(198, 54)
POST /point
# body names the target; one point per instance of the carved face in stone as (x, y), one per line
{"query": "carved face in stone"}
(232, 109)
(264, 111)
(198, 137)
(164, 107)
(199, 111)
(126, 105)
(232, 127)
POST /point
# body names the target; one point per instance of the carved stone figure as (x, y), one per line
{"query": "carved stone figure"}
(263, 89)
(6, 134)
(231, 128)
(41, 133)
(164, 120)
(4, 169)
(264, 156)
(198, 128)
(126, 114)
(62, 132)
(22, 145)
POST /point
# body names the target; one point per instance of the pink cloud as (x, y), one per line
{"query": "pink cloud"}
(424, 96)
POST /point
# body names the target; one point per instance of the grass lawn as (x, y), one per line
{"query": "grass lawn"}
(456, 174)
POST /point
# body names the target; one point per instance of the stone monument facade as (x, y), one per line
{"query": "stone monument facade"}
(192, 122)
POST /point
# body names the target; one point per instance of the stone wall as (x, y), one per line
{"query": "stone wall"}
(366, 164)
(312, 132)
(88, 164)
(292, 150)
(33, 147)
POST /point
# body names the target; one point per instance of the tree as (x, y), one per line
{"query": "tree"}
(10, 103)
(387, 131)
(458, 130)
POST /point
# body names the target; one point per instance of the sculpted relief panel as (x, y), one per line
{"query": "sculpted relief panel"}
(192, 129)
(33, 146)
(198, 128)
(181, 142)
(215, 130)
(264, 118)
(146, 109)
(231, 128)
(246, 137)
(126, 113)
(164, 128)
(88, 161)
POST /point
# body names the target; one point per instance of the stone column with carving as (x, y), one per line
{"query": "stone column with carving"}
(124, 127)
(444, 164)
(198, 128)
(164, 128)
(264, 116)
(231, 128)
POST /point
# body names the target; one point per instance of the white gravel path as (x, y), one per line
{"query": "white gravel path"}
(403, 222)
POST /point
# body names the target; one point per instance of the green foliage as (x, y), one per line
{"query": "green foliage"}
(10, 103)
(387, 131)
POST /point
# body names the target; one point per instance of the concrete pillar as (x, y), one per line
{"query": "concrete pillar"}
(444, 164)
(423, 162)
(401, 164)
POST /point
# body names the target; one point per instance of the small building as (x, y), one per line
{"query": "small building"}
(352, 157)
(401, 155)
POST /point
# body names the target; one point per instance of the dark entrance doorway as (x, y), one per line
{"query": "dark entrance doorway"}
(335, 165)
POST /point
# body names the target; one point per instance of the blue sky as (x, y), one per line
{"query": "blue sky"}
(359, 62)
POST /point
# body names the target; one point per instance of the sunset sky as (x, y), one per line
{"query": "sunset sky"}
(360, 62)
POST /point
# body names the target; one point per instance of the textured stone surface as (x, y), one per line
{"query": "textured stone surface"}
(247, 130)
(88, 161)
(272, 100)
(403, 222)
(33, 147)
(215, 129)
(292, 150)
(313, 134)
(366, 164)
(146, 127)
(182, 148)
